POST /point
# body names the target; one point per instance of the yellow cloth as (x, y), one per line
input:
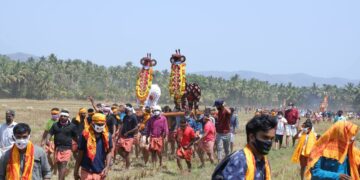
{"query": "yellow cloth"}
(90, 138)
(81, 110)
(55, 112)
(13, 166)
(335, 144)
(147, 116)
(304, 147)
(251, 165)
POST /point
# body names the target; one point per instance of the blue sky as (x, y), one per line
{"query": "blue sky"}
(317, 37)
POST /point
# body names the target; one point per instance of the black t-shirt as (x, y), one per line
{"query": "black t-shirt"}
(63, 135)
(111, 122)
(79, 126)
(129, 123)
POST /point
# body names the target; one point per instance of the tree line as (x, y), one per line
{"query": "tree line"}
(53, 78)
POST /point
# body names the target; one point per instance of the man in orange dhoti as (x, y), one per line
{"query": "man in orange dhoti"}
(157, 130)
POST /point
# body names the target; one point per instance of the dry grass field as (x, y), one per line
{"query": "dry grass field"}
(36, 113)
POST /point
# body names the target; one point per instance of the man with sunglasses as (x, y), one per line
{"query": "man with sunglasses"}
(24, 160)
(64, 133)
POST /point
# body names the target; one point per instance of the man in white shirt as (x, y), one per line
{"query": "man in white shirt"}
(6, 132)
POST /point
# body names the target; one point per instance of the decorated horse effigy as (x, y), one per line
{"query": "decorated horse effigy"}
(144, 80)
(186, 95)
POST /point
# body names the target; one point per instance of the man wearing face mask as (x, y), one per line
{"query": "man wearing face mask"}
(307, 139)
(25, 160)
(126, 136)
(251, 162)
(222, 129)
(64, 133)
(335, 155)
(158, 130)
(6, 132)
(95, 146)
(49, 149)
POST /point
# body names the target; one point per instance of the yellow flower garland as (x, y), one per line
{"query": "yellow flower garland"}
(179, 92)
(142, 94)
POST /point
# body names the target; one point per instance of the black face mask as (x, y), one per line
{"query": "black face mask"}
(263, 147)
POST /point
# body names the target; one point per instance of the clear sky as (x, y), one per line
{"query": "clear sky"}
(317, 37)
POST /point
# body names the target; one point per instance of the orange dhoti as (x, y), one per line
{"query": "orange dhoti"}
(63, 155)
(126, 143)
(156, 144)
(184, 153)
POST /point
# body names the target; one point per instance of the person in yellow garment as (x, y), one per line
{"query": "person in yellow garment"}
(307, 139)
(250, 162)
(334, 155)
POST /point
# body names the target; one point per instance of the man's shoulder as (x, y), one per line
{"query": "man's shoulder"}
(38, 151)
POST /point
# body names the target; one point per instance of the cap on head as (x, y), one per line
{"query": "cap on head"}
(156, 108)
(99, 118)
(64, 113)
(218, 102)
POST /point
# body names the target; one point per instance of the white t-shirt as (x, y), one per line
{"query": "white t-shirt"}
(280, 130)
(6, 134)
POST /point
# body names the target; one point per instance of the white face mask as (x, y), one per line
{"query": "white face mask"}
(280, 117)
(187, 117)
(157, 113)
(21, 143)
(99, 129)
(305, 130)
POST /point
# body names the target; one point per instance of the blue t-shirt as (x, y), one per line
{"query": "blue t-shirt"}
(327, 168)
(98, 164)
(237, 167)
(196, 126)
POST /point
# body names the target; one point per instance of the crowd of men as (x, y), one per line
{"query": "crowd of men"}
(95, 136)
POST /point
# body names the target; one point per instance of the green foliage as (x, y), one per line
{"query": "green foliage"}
(53, 78)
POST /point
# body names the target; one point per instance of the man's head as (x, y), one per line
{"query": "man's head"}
(307, 126)
(260, 131)
(82, 112)
(280, 114)
(64, 117)
(340, 113)
(219, 104)
(106, 110)
(147, 109)
(128, 109)
(114, 109)
(21, 133)
(121, 108)
(291, 105)
(167, 109)
(156, 110)
(98, 122)
(9, 116)
(55, 114)
(90, 112)
(232, 110)
(183, 124)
